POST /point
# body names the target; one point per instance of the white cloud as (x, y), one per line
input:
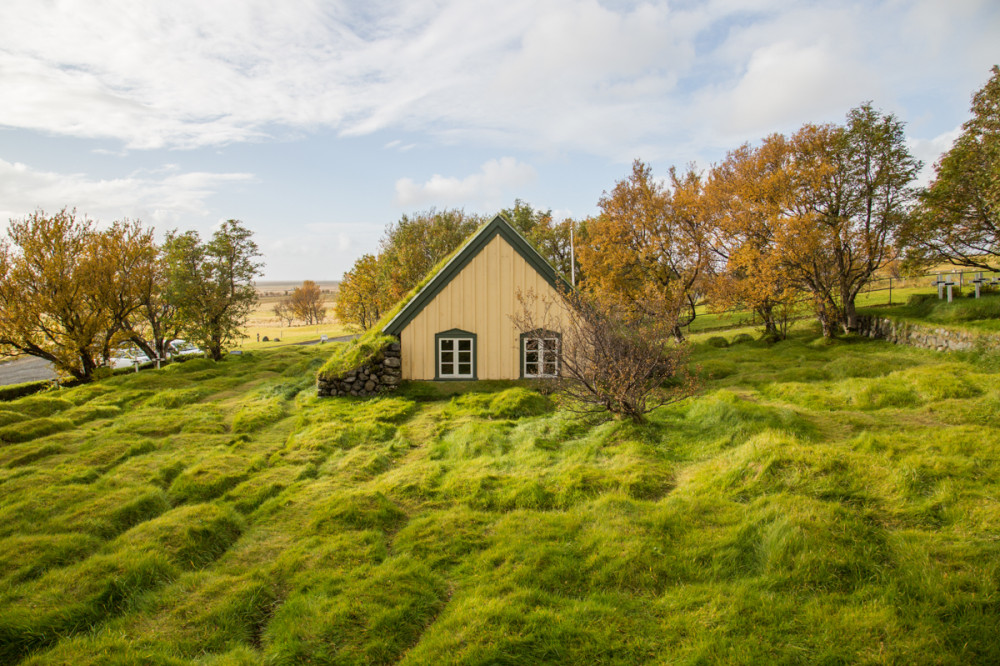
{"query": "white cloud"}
(495, 178)
(158, 198)
(660, 79)
(787, 82)
(929, 151)
(318, 251)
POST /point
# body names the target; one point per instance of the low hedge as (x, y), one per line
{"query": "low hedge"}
(15, 391)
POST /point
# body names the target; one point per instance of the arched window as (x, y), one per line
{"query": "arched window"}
(540, 354)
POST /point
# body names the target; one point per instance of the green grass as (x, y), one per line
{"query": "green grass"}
(818, 502)
(964, 312)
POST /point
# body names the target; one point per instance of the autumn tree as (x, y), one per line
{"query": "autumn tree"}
(552, 239)
(745, 197)
(850, 197)
(411, 247)
(212, 283)
(363, 296)
(142, 313)
(306, 302)
(649, 246)
(958, 219)
(60, 298)
(283, 311)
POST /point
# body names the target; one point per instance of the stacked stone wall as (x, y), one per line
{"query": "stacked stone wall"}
(380, 375)
(925, 337)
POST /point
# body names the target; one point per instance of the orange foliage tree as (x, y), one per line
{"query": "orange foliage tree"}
(745, 196)
(649, 247)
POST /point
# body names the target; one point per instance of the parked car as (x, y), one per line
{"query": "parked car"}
(182, 348)
(126, 356)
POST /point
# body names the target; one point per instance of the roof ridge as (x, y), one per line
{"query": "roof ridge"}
(468, 251)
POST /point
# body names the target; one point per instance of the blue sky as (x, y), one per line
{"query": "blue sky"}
(319, 122)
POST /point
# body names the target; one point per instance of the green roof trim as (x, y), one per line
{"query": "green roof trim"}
(497, 227)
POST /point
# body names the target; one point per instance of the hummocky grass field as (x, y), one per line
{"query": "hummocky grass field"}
(817, 503)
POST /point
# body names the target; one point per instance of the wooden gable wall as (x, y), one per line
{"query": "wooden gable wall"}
(480, 300)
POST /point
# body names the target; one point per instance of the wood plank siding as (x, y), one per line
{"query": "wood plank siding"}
(480, 299)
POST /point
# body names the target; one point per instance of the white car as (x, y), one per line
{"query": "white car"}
(127, 356)
(182, 348)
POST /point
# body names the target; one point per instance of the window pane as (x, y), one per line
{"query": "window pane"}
(465, 357)
(447, 368)
(550, 367)
(465, 345)
(465, 369)
(531, 357)
(530, 343)
(447, 344)
(447, 357)
(549, 343)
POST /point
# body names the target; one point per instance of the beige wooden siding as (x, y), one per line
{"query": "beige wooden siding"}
(480, 299)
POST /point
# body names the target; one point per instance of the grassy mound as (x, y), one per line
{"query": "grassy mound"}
(815, 504)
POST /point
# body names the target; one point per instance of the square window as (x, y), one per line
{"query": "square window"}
(456, 357)
(541, 356)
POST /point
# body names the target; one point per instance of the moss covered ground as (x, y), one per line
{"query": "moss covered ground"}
(817, 503)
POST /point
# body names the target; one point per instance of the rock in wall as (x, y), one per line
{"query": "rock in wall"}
(926, 337)
(380, 375)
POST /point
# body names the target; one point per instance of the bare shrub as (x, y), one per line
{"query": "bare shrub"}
(612, 360)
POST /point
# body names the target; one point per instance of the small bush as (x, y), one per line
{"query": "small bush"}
(512, 403)
(257, 414)
(15, 391)
(26, 431)
(208, 479)
(7, 417)
(741, 338)
(191, 536)
(359, 511)
(516, 403)
(173, 398)
(88, 413)
(717, 341)
(36, 454)
(42, 405)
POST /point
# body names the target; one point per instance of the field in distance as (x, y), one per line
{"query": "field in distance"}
(265, 323)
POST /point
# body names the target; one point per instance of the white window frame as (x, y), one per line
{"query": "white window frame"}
(545, 354)
(456, 361)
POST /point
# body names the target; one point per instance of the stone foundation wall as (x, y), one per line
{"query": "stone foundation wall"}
(379, 376)
(925, 337)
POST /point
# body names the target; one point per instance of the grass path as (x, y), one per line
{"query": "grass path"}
(818, 503)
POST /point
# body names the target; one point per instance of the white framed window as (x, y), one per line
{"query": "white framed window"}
(540, 354)
(455, 355)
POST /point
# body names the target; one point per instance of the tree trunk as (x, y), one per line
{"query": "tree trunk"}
(770, 322)
(849, 314)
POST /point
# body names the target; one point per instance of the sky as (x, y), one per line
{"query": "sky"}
(319, 122)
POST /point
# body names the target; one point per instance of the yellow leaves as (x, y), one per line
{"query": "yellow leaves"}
(649, 242)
